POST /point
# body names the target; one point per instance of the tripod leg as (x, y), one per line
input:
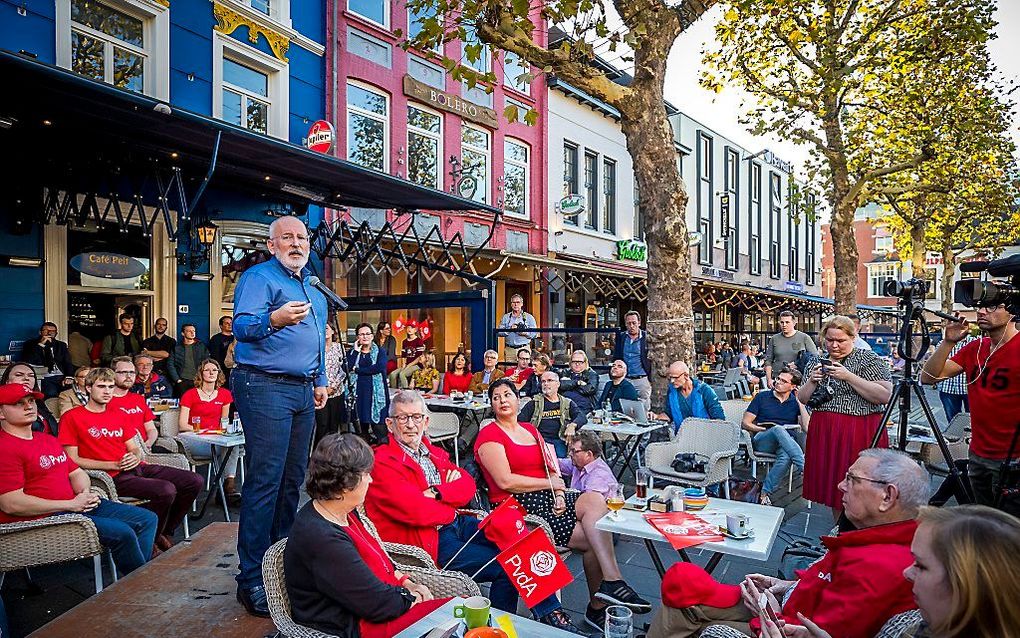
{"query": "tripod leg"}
(887, 415)
(961, 489)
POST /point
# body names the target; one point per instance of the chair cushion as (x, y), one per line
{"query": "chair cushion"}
(666, 471)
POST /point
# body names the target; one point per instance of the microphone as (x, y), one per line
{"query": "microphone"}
(974, 266)
(333, 299)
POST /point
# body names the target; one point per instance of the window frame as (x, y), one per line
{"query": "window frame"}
(387, 131)
(574, 179)
(247, 95)
(278, 72)
(485, 59)
(438, 137)
(731, 185)
(526, 165)
(706, 196)
(485, 186)
(437, 49)
(876, 291)
(609, 191)
(775, 225)
(810, 239)
(509, 81)
(387, 14)
(591, 189)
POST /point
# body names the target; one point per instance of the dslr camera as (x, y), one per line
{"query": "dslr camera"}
(909, 291)
(686, 463)
(983, 293)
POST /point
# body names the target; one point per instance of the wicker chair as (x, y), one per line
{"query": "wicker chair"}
(893, 628)
(713, 439)
(444, 426)
(53, 539)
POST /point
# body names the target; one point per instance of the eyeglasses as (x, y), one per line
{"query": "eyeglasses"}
(402, 419)
(572, 361)
(290, 238)
(853, 478)
(524, 358)
(364, 334)
(782, 381)
(123, 372)
(576, 450)
(673, 377)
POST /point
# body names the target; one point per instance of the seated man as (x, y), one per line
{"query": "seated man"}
(687, 397)
(148, 383)
(37, 479)
(617, 388)
(523, 371)
(414, 497)
(555, 417)
(481, 380)
(587, 470)
(132, 407)
(765, 415)
(99, 438)
(580, 383)
(850, 592)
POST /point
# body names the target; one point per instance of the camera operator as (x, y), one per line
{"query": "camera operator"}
(523, 324)
(992, 368)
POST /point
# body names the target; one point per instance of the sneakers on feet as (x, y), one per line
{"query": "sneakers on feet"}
(560, 620)
(595, 618)
(617, 592)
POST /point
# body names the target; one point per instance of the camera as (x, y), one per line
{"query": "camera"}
(686, 463)
(911, 289)
(822, 395)
(977, 293)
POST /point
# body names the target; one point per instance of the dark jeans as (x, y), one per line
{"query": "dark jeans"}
(327, 420)
(477, 553)
(953, 404)
(127, 531)
(170, 492)
(984, 480)
(278, 417)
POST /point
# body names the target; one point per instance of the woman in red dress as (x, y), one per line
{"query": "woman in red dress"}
(339, 578)
(458, 377)
(861, 385)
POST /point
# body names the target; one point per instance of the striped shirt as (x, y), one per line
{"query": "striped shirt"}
(868, 366)
(424, 460)
(955, 385)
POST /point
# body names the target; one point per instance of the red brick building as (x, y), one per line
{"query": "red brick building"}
(878, 260)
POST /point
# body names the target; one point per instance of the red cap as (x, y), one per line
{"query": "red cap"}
(686, 585)
(11, 393)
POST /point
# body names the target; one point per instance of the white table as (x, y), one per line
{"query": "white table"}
(225, 442)
(628, 430)
(526, 628)
(763, 519)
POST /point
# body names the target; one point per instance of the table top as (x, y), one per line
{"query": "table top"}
(764, 520)
(627, 428)
(444, 401)
(219, 440)
(524, 626)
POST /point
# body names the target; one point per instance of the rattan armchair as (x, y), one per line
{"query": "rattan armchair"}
(893, 628)
(715, 441)
(49, 540)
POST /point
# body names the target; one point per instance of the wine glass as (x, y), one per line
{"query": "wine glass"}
(615, 501)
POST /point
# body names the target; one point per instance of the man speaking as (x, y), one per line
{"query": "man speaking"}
(280, 378)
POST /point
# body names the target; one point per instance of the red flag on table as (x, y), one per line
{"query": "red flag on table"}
(504, 525)
(535, 568)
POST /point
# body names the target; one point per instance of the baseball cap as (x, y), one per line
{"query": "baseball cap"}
(11, 393)
(686, 585)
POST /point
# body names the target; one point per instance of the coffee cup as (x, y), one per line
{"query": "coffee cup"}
(474, 611)
(736, 524)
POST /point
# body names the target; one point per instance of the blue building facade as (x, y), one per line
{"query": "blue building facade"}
(256, 64)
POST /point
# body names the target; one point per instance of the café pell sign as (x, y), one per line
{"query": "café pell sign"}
(450, 103)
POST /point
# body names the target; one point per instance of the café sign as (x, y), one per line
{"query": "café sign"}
(107, 265)
(570, 206)
(774, 160)
(321, 137)
(450, 103)
(631, 250)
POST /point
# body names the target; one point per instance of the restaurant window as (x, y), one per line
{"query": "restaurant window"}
(516, 170)
(591, 189)
(245, 97)
(570, 175)
(475, 158)
(108, 45)
(377, 11)
(609, 196)
(424, 147)
(367, 127)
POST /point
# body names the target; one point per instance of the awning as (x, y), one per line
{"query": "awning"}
(594, 266)
(57, 126)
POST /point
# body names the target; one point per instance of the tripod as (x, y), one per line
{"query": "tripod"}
(901, 398)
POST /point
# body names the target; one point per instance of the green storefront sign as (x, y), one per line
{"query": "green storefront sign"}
(631, 250)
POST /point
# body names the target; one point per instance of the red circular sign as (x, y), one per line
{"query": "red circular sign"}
(321, 137)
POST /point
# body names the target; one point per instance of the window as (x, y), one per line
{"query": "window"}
(513, 69)
(793, 232)
(609, 196)
(424, 147)
(262, 6)
(591, 189)
(775, 225)
(884, 244)
(367, 127)
(415, 20)
(377, 11)
(705, 199)
(732, 188)
(570, 175)
(810, 239)
(474, 156)
(471, 44)
(516, 171)
(878, 274)
(245, 97)
(108, 45)
(754, 249)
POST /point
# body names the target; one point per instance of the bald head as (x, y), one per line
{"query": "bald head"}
(680, 375)
(288, 241)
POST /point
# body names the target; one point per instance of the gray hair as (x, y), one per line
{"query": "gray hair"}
(279, 220)
(896, 468)
(492, 352)
(409, 396)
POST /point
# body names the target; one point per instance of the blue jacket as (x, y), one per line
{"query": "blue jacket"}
(708, 396)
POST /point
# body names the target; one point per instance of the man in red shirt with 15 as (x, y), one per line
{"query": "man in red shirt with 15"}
(38, 479)
(98, 438)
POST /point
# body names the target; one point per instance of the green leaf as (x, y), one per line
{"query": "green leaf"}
(511, 113)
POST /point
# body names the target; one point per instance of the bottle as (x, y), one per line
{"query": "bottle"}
(607, 410)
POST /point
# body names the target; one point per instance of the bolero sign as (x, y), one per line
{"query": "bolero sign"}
(450, 103)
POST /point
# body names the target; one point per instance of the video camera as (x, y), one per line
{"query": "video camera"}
(909, 291)
(978, 293)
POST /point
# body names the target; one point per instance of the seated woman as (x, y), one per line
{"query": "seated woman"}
(75, 395)
(24, 374)
(426, 379)
(514, 461)
(962, 558)
(533, 386)
(458, 376)
(205, 407)
(339, 578)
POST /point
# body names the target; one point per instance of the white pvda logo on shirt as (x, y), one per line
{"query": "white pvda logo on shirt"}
(97, 433)
(132, 410)
(46, 461)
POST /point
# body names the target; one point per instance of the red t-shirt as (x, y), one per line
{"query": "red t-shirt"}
(526, 460)
(520, 376)
(39, 466)
(456, 382)
(994, 397)
(208, 413)
(101, 436)
(135, 411)
(412, 349)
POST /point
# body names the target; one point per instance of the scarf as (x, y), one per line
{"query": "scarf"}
(378, 389)
(693, 405)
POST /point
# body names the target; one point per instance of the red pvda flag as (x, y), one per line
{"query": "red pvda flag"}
(504, 525)
(534, 567)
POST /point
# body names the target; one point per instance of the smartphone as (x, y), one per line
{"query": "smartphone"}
(825, 363)
(767, 609)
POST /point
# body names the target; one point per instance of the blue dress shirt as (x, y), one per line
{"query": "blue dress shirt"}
(298, 350)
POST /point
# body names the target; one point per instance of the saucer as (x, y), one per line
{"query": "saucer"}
(725, 532)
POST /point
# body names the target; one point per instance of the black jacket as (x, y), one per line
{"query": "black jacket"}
(55, 353)
(580, 388)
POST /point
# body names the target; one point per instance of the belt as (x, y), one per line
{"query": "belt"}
(636, 376)
(270, 375)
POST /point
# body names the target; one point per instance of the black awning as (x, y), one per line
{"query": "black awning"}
(57, 125)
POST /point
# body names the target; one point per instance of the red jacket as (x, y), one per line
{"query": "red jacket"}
(858, 585)
(397, 506)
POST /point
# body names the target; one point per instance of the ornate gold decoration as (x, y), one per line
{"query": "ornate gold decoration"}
(165, 3)
(227, 21)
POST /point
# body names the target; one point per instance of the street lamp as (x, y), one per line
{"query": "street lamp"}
(205, 234)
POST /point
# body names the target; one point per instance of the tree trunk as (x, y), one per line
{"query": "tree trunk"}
(917, 249)
(841, 229)
(948, 274)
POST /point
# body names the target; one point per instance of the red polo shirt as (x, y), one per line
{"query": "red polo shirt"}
(39, 466)
(101, 436)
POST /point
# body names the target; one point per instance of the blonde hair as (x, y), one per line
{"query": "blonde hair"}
(839, 322)
(220, 378)
(979, 548)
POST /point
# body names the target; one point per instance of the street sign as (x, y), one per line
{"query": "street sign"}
(571, 205)
(321, 137)
(724, 214)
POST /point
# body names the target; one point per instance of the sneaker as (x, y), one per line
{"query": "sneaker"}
(618, 592)
(560, 620)
(764, 499)
(596, 618)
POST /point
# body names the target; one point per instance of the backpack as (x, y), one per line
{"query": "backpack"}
(797, 556)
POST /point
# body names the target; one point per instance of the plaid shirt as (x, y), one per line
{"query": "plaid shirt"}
(422, 458)
(956, 385)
